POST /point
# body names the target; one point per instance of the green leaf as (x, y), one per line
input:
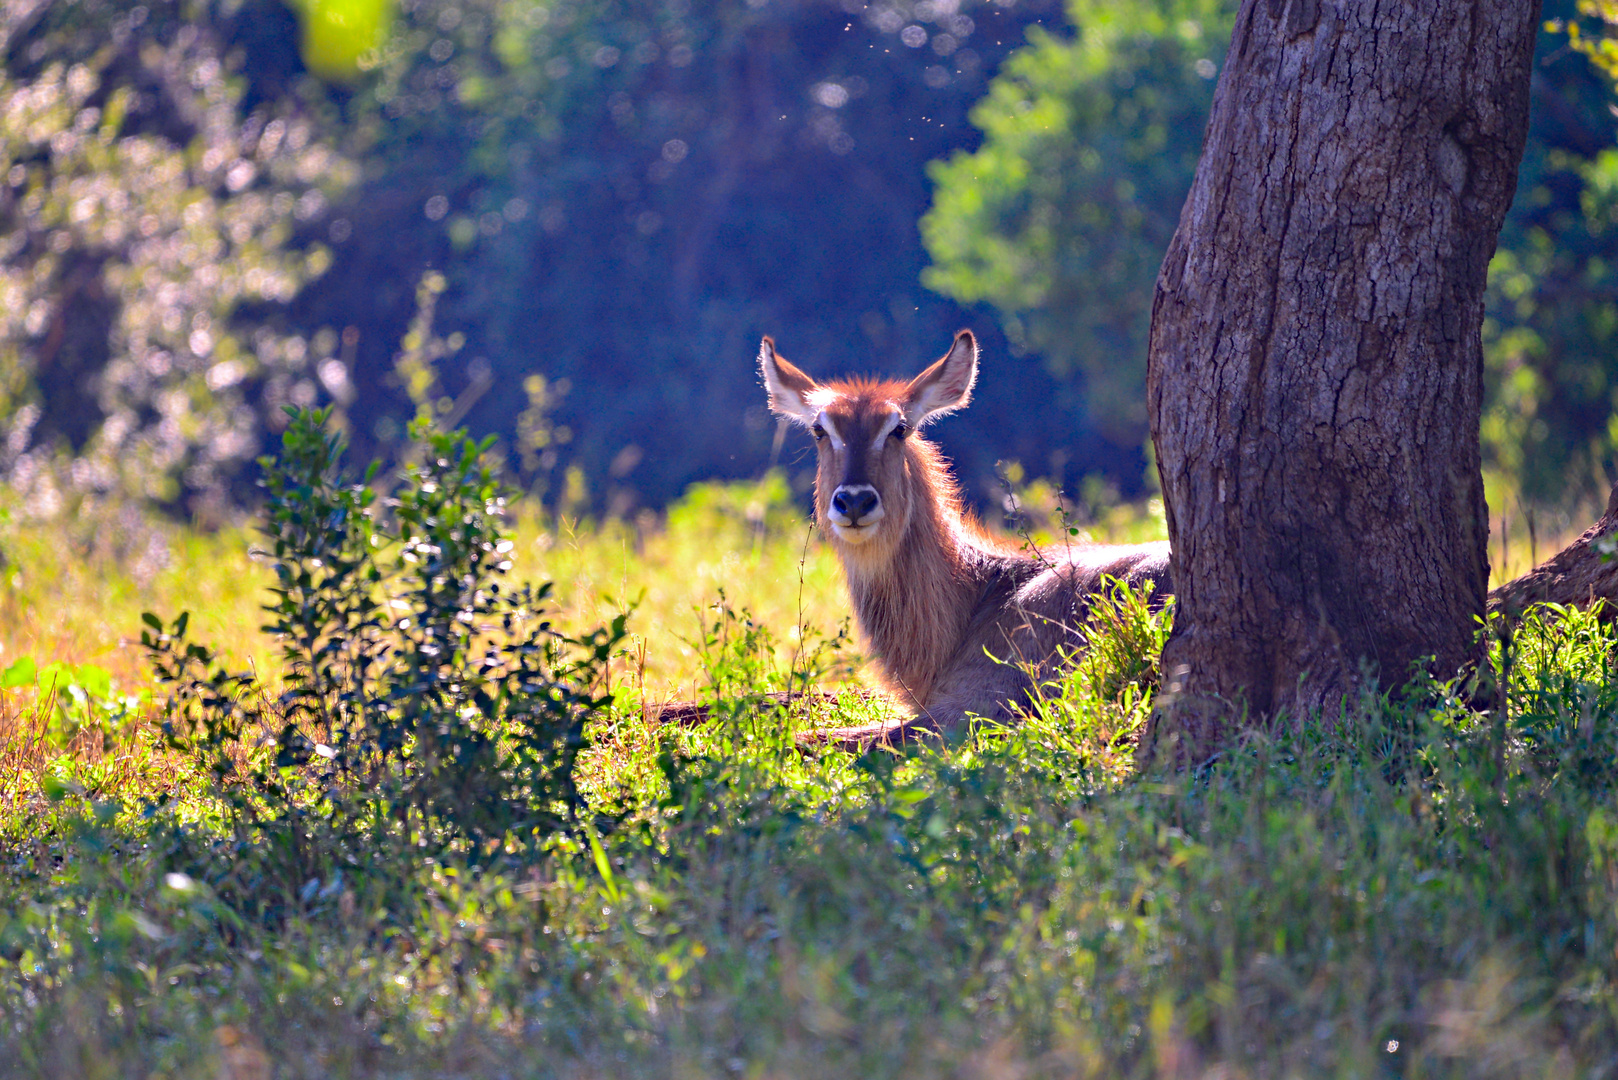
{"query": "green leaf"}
(52, 676)
(96, 681)
(22, 672)
(609, 888)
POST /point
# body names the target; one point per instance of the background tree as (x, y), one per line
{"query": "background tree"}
(142, 208)
(1315, 369)
(1060, 219)
(599, 185)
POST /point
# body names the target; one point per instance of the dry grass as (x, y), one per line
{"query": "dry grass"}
(1521, 536)
(39, 753)
(673, 574)
(61, 602)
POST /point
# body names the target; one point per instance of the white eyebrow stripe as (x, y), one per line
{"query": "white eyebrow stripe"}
(893, 421)
(831, 430)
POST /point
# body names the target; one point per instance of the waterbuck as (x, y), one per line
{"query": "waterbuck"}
(953, 616)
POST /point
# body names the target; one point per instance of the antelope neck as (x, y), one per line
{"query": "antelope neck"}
(914, 604)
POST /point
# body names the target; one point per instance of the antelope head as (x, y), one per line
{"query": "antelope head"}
(873, 472)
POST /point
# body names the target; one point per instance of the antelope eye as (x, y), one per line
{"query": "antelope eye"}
(819, 432)
(900, 430)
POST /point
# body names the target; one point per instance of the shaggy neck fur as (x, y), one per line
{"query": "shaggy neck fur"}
(915, 592)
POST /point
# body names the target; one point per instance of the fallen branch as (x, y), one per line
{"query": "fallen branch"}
(886, 735)
(692, 713)
(1577, 576)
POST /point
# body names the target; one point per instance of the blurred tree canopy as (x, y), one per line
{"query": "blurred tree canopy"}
(569, 222)
(140, 210)
(1550, 423)
(1059, 220)
(605, 203)
(339, 36)
(623, 197)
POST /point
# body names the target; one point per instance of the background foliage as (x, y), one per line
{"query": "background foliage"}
(142, 209)
(1060, 218)
(619, 199)
(567, 223)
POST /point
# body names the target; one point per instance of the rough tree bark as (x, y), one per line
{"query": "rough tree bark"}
(1315, 368)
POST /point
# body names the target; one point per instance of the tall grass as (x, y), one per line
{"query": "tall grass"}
(70, 602)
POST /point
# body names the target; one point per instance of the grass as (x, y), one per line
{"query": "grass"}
(1418, 890)
(75, 603)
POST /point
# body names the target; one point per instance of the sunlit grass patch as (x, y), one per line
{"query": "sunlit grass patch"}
(746, 545)
(63, 599)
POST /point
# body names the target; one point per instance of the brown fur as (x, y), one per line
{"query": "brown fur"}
(952, 616)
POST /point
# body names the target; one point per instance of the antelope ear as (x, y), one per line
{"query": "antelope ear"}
(789, 388)
(946, 386)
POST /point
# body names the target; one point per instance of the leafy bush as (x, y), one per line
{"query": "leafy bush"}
(422, 698)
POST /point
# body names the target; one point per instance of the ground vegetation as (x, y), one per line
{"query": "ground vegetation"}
(1425, 889)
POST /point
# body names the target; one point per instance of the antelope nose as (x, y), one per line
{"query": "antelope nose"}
(854, 504)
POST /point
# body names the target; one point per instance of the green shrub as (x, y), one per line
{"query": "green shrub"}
(422, 698)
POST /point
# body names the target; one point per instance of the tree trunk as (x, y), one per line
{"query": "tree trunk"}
(1315, 367)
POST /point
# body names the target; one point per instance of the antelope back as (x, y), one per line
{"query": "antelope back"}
(873, 473)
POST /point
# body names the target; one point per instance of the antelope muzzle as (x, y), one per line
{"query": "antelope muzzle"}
(855, 506)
